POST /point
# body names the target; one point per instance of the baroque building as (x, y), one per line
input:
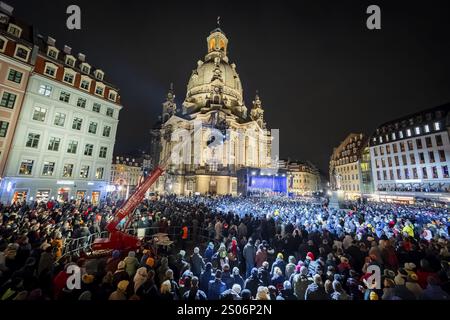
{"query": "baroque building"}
(224, 135)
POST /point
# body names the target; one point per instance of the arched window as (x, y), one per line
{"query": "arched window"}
(212, 44)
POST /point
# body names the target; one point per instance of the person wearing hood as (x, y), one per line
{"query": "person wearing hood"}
(237, 278)
(339, 293)
(226, 276)
(206, 277)
(194, 292)
(286, 293)
(277, 278)
(197, 263)
(216, 287)
(139, 278)
(209, 252)
(316, 290)
(278, 263)
(249, 253)
(148, 290)
(253, 282)
(232, 294)
(290, 267)
(120, 274)
(131, 263)
(413, 285)
(264, 274)
(400, 289)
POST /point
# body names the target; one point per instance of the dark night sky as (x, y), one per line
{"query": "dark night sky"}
(320, 72)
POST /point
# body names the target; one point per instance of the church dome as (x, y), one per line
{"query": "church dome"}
(201, 83)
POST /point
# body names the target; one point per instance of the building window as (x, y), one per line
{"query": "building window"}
(99, 173)
(419, 143)
(84, 84)
(400, 134)
(81, 103)
(33, 140)
(110, 112)
(70, 61)
(399, 175)
(53, 144)
(431, 156)
(88, 148)
(428, 142)
(22, 53)
(96, 107)
(442, 156)
(415, 175)
(412, 158)
(64, 97)
(410, 145)
(50, 71)
(39, 114)
(67, 170)
(3, 128)
(60, 119)
(26, 167)
(103, 151)
(8, 100)
(388, 149)
(424, 173)
(72, 146)
(52, 53)
(84, 172)
(435, 172)
(14, 30)
(406, 173)
(106, 131)
(437, 126)
(48, 168)
(375, 151)
(417, 130)
(408, 132)
(397, 162)
(45, 90)
(112, 96)
(77, 122)
(393, 136)
(439, 140)
(445, 171)
(99, 90)
(426, 128)
(93, 127)
(85, 68)
(395, 148)
(99, 74)
(421, 158)
(15, 76)
(68, 77)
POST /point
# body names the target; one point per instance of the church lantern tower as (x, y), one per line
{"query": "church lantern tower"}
(169, 106)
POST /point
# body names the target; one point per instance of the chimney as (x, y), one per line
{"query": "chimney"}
(6, 8)
(67, 49)
(81, 57)
(51, 41)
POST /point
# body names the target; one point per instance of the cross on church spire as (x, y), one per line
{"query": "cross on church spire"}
(218, 21)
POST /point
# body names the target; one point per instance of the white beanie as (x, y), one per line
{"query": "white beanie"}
(196, 250)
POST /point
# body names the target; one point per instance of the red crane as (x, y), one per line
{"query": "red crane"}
(119, 240)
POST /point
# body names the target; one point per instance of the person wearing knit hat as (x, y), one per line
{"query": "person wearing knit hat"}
(246, 295)
(237, 278)
(120, 293)
(413, 285)
(310, 256)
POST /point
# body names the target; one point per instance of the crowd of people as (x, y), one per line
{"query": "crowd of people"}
(230, 248)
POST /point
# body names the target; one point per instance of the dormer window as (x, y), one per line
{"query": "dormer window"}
(112, 95)
(52, 52)
(99, 89)
(70, 61)
(69, 76)
(85, 68)
(50, 69)
(14, 30)
(99, 74)
(85, 83)
(22, 52)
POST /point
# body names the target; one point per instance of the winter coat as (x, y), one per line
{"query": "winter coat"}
(230, 295)
(315, 292)
(300, 285)
(280, 263)
(249, 254)
(131, 265)
(340, 296)
(434, 292)
(227, 279)
(237, 279)
(215, 288)
(204, 280)
(252, 283)
(197, 264)
(261, 256)
(195, 294)
(286, 294)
